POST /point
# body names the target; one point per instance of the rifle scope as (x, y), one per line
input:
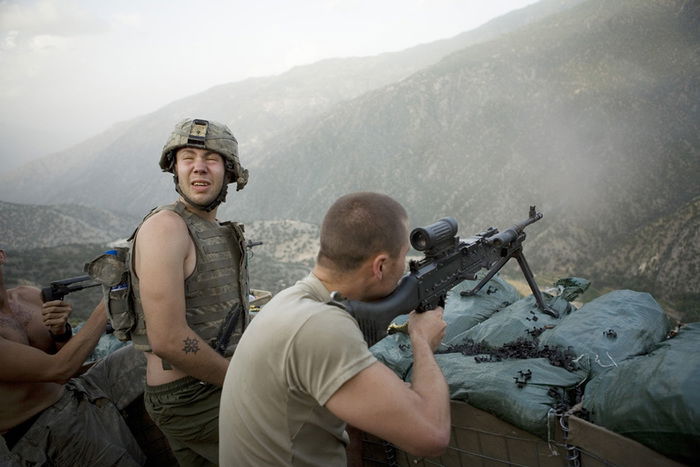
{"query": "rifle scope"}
(434, 235)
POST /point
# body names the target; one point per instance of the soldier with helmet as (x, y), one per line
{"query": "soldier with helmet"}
(189, 278)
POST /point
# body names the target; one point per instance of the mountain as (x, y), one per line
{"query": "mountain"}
(575, 111)
(666, 256)
(118, 168)
(285, 256)
(591, 113)
(287, 240)
(25, 227)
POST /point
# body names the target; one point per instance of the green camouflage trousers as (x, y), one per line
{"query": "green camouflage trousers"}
(187, 412)
(85, 426)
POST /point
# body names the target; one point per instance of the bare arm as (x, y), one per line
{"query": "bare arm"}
(48, 319)
(163, 249)
(54, 316)
(415, 418)
(22, 363)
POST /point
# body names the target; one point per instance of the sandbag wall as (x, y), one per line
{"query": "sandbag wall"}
(503, 355)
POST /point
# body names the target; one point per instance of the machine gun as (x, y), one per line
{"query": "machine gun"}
(59, 289)
(447, 262)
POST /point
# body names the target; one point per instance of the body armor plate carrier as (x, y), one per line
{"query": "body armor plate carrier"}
(218, 283)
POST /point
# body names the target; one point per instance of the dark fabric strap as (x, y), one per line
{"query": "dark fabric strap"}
(16, 433)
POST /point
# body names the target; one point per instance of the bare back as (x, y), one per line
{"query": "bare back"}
(20, 322)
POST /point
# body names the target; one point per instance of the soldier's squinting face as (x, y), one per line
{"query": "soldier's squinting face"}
(201, 174)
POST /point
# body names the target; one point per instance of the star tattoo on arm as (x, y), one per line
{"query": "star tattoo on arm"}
(191, 345)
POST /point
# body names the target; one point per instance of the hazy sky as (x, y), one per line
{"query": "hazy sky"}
(71, 68)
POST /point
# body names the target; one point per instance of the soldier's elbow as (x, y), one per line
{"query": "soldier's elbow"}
(160, 344)
(62, 373)
(431, 444)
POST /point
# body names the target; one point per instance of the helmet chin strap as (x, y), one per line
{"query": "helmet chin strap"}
(204, 207)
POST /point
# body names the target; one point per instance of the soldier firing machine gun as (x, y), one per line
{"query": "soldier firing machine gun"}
(447, 262)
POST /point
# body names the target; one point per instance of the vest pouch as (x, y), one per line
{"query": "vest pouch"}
(120, 310)
(111, 269)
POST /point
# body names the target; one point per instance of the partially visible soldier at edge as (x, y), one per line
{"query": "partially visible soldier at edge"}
(303, 370)
(47, 416)
(189, 276)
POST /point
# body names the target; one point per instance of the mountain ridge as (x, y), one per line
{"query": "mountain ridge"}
(590, 113)
(264, 107)
(24, 227)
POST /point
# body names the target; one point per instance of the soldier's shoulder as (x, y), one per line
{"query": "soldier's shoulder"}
(165, 219)
(25, 292)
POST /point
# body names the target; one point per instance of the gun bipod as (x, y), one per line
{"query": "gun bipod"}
(527, 272)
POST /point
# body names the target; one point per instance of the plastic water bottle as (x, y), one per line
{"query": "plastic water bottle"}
(121, 286)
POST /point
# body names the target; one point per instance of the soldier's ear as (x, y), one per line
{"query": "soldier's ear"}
(378, 265)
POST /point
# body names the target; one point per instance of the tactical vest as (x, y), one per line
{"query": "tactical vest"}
(218, 283)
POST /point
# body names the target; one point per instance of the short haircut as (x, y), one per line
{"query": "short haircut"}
(358, 226)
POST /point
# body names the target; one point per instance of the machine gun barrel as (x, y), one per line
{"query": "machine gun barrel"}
(511, 234)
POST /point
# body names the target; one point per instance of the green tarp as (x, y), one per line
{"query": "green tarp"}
(465, 312)
(521, 392)
(523, 319)
(602, 336)
(611, 328)
(654, 398)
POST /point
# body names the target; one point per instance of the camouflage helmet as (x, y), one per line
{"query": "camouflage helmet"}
(205, 134)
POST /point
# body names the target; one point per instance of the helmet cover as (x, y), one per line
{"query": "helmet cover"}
(205, 134)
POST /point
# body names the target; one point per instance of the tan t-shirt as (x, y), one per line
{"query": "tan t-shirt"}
(292, 358)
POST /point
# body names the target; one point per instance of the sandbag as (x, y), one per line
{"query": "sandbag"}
(464, 312)
(523, 319)
(654, 398)
(395, 351)
(611, 328)
(522, 392)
